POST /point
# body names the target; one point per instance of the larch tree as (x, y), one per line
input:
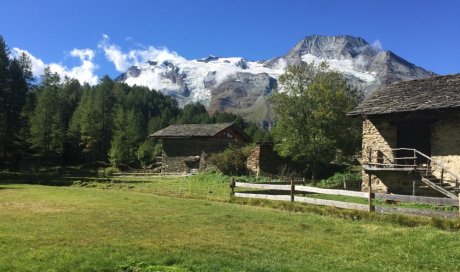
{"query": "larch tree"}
(45, 124)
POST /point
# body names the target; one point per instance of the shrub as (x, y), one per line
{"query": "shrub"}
(231, 161)
(147, 152)
(108, 171)
(336, 180)
(210, 176)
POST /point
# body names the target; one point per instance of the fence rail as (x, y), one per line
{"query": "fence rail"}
(292, 189)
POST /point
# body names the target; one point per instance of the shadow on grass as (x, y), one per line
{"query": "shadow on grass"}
(9, 188)
(49, 179)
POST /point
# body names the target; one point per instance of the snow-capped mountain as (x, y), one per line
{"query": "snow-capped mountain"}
(241, 86)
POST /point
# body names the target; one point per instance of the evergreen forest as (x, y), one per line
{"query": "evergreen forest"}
(58, 121)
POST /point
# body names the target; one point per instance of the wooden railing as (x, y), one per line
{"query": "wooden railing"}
(395, 162)
(291, 193)
(441, 165)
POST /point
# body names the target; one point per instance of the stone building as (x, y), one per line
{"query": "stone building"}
(264, 161)
(185, 147)
(411, 137)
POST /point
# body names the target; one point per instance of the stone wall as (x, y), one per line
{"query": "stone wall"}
(180, 154)
(264, 160)
(445, 146)
(378, 134)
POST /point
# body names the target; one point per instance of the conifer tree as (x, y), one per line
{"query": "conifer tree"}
(4, 94)
(46, 129)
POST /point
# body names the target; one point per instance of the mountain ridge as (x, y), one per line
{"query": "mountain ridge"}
(237, 85)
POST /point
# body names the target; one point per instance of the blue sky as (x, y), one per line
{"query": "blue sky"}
(68, 33)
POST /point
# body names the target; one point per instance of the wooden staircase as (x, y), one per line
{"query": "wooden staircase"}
(446, 182)
(445, 188)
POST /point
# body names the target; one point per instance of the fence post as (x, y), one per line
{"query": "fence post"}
(344, 183)
(371, 195)
(413, 186)
(232, 187)
(292, 189)
(442, 176)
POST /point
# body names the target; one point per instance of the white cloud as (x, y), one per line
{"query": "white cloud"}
(113, 54)
(124, 60)
(83, 73)
(38, 66)
(83, 54)
(377, 45)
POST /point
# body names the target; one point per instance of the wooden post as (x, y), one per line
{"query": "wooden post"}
(292, 190)
(371, 208)
(344, 183)
(413, 186)
(442, 176)
(304, 181)
(232, 187)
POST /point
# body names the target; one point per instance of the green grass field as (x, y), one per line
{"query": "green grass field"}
(172, 224)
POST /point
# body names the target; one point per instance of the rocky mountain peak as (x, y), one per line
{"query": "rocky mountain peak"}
(237, 85)
(331, 46)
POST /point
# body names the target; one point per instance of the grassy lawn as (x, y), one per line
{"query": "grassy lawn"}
(133, 225)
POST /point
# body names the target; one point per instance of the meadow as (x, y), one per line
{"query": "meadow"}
(190, 224)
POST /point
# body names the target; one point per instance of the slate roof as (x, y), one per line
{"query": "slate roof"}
(440, 92)
(195, 130)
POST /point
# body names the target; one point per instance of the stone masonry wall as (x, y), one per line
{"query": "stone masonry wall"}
(264, 160)
(445, 146)
(378, 134)
(177, 152)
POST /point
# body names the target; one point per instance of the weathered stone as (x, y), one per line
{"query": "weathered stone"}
(264, 160)
(185, 147)
(380, 135)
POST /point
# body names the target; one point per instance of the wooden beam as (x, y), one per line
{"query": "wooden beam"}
(438, 188)
(368, 168)
(261, 196)
(263, 186)
(370, 196)
(411, 211)
(232, 187)
(332, 203)
(418, 199)
(309, 189)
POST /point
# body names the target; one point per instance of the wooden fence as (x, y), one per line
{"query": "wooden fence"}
(288, 193)
(346, 183)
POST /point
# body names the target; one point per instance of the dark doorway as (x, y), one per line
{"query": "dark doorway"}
(192, 166)
(414, 135)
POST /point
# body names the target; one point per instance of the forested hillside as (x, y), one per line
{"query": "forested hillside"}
(60, 122)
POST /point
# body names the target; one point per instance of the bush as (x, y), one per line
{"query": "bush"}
(210, 176)
(232, 161)
(147, 152)
(336, 180)
(108, 171)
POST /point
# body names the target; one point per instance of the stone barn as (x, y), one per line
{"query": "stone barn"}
(264, 161)
(411, 137)
(185, 147)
